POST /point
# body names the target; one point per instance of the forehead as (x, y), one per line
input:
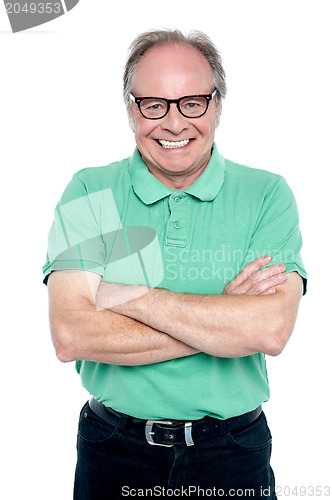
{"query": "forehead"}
(172, 70)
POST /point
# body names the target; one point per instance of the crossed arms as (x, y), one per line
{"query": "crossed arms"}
(129, 325)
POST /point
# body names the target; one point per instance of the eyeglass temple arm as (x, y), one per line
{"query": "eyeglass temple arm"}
(214, 93)
(133, 98)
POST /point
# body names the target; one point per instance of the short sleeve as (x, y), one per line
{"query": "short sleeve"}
(277, 231)
(75, 240)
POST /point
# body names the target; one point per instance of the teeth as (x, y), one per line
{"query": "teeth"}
(170, 145)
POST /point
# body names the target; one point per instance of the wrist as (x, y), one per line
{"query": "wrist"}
(130, 300)
(116, 297)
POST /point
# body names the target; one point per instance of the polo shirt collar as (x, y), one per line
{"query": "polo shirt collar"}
(208, 184)
(149, 189)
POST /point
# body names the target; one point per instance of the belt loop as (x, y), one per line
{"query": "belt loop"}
(223, 429)
(123, 422)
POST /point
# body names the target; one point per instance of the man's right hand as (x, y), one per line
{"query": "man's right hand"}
(253, 280)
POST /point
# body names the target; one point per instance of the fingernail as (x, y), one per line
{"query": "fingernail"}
(267, 257)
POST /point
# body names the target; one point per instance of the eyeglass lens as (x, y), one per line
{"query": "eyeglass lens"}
(190, 106)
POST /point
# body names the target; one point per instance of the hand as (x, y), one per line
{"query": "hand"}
(253, 280)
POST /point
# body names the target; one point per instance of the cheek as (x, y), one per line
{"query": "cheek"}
(214, 119)
(135, 121)
(209, 129)
(142, 128)
(208, 126)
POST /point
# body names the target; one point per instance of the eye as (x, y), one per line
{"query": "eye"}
(153, 105)
(193, 106)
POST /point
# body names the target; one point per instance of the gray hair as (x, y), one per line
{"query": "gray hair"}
(154, 38)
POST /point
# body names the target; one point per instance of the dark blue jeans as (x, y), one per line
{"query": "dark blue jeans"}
(112, 464)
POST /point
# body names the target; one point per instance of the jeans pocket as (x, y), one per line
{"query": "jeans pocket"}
(254, 437)
(94, 430)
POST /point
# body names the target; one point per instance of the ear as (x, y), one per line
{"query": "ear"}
(131, 125)
(131, 121)
(218, 115)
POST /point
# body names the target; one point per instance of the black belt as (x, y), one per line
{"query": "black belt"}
(172, 432)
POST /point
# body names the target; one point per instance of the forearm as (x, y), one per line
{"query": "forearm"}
(222, 326)
(226, 326)
(108, 337)
(82, 331)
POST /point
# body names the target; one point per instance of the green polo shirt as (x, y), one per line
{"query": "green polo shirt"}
(124, 224)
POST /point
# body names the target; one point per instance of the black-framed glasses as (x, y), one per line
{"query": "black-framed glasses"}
(190, 106)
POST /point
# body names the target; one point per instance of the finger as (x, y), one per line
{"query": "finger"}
(248, 270)
(267, 272)
(258, 276)
(256, 279)
(269, 291)
(260, 287)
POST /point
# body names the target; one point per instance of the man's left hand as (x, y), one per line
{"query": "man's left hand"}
(253, 280)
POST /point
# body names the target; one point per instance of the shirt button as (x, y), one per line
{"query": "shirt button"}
(177, 225)
(177, 199)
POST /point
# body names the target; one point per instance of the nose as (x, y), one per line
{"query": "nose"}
(174, 121)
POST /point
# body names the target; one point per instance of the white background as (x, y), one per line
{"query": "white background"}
(62, 110)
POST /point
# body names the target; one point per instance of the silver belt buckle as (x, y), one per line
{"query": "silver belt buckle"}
(188, 433)
(149, 432)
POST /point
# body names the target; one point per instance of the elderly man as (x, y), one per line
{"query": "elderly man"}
(171, 274)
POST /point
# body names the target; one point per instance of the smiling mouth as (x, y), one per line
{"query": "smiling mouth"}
(173, 144)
